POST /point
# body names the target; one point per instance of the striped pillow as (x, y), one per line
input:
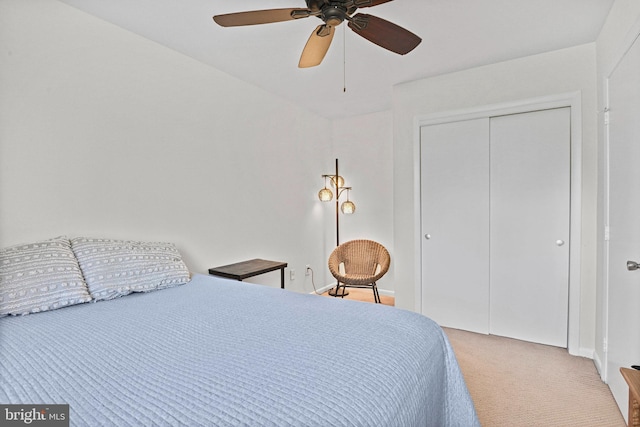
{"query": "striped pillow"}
(114, 268)
(40, 276)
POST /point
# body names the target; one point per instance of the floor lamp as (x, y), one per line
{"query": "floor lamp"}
(347, 207)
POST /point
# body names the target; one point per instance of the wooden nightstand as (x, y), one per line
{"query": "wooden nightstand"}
(632, 377)
(250, 268)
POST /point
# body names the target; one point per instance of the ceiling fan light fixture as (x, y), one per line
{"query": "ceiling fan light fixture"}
(333, 15)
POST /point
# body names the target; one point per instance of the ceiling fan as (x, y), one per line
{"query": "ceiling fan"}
(332, 12)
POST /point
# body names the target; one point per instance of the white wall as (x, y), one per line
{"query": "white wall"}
(364, 147)
(553, 73)
(107, 134)
(621, 26)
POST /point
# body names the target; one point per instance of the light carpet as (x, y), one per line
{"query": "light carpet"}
(516, 383)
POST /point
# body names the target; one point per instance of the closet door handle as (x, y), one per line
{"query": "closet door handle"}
(559, 242)
(427, 236)
(632, 265)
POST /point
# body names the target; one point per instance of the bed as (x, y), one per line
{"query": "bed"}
(216, 352)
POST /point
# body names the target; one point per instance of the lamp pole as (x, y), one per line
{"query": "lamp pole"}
(337, 207)
(348, 207)
(336, 184)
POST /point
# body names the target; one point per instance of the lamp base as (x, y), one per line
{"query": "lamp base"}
(343, 292)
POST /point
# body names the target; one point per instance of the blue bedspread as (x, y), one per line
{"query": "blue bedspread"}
(216, 352)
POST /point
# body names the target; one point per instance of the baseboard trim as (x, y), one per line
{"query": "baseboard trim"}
(323, 289)
(589, 353)
(598, 363)
(387, 292)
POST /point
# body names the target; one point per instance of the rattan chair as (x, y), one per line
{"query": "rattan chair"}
(363, 263)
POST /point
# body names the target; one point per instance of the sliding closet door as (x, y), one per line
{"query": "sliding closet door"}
(530, 195)
(455, 223)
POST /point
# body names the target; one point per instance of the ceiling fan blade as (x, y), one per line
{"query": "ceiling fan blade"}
(369, 3)
(255, 17)
(317, 46)
(384, 33)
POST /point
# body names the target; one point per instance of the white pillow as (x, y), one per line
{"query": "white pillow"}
(40, 276)
(113, 268)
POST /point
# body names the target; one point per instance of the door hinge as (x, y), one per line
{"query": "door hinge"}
(607, 233)
(607, 117)
(604, 345)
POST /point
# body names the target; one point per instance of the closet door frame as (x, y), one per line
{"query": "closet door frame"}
(572, 100)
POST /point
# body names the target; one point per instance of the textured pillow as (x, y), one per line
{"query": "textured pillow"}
(39, 277)
(113, 268)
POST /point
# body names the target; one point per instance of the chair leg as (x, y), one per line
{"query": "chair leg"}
(338, 292)
(376, 295)
(335, 294)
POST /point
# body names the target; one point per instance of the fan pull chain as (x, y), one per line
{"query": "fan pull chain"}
(344, 58)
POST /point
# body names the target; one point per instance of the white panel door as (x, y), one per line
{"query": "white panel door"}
(455, 223)
(530, 201)
(624, 222)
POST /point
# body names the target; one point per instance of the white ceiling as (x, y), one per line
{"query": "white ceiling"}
(456, 35)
